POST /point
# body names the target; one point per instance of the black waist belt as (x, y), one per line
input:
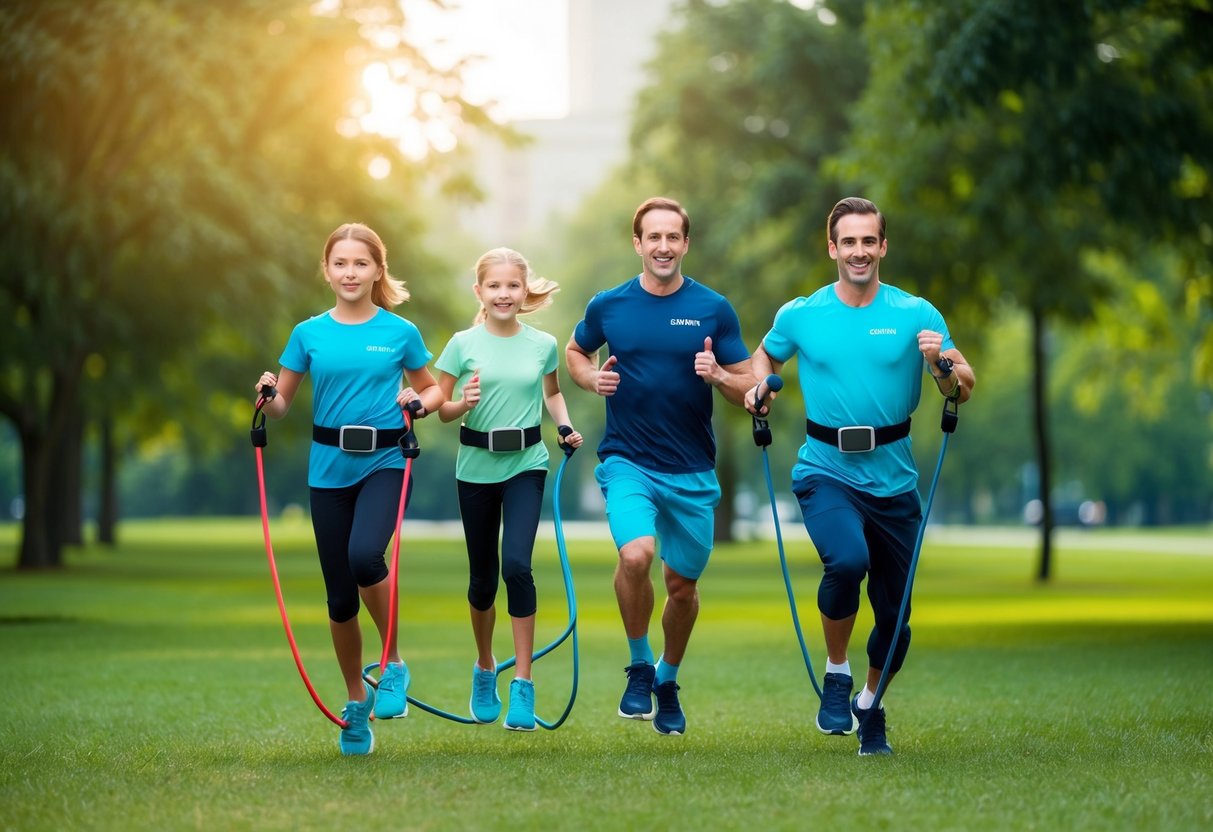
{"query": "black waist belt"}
(500, 440)
(856, 439)
(360, 439)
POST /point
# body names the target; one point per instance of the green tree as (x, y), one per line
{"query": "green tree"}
(745, 103)
(1024, 136)
(170, 171)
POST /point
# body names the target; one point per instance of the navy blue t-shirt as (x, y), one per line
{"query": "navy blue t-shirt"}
(661, 416)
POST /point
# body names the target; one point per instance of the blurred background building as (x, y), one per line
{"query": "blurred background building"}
(610, 42)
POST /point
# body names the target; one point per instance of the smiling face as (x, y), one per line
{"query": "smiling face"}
(502, 290)
(351, 271)
(858, 247)
(661, 245)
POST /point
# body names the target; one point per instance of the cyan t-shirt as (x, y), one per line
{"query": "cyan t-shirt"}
(511, 395)
(661, 415)
(857, 366)
(357, 370)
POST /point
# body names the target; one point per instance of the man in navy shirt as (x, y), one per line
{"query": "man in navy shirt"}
(669, 340)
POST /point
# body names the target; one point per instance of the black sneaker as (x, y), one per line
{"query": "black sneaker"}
(637, 701)
(834, 716)
(670, 719)
(872, 738)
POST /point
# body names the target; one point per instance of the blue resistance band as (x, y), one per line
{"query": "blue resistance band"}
(570, 599)
(762, 438)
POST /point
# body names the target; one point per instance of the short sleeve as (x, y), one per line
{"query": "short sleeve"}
(728, 345)
(778, 343)
(451, 359)
(588, 333)
(294, 355)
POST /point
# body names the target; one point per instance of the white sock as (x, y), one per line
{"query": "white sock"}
(866, 698)
(844, 668)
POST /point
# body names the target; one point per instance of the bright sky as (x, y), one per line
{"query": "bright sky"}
(524, 44)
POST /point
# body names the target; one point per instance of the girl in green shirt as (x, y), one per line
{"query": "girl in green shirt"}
(506, 373)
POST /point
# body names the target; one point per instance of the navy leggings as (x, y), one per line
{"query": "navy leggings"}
(857, 534)
(484, 506)
(353, 526)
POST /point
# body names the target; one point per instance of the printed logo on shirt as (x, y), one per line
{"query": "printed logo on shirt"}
(684, 322)
(371, 348)
(886, 331)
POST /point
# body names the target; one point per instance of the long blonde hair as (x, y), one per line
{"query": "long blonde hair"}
(539, 290)
(387, 292)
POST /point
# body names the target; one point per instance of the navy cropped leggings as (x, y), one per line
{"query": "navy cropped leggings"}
(857, 534)
(353, 526)
(511, 509)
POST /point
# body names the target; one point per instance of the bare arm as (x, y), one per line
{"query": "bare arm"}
(960, 380)
(763, 365)
(423, 387)
(287, 383)
(553, 399)
(732, 380)
(585, 372)
(455, 409)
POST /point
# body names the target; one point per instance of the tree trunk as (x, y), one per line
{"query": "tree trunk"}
(1043, 463)
(39, 549)
(40, 431)
(67, 473)
(107, 507)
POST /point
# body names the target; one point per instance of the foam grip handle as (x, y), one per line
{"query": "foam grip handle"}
(773, 384)
(414, 406)
(268, 392)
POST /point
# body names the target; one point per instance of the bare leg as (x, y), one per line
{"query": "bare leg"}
(347, 643)
(679, 614)
(377, 599)
(524, 645)
(634, 587)
(483, 622)
(874, 679)
(838, 637)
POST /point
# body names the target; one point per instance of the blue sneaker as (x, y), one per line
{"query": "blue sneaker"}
(834, 716)
(872, 738)
(485, 703)
(670, 719)
(637, 701)
(356, 736)
(521, 716)
(390, 696)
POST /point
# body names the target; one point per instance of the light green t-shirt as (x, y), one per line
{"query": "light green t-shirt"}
(511, 395)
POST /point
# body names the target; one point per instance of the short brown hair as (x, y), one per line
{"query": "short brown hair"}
(661, 203)
(851, 205)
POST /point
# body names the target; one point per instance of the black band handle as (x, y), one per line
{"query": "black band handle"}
(565, 431)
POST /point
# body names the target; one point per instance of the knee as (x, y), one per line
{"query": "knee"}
(342, 610)
(482, 594)
(680, 590)
(367, 566)
(847, 568)
(636, 558)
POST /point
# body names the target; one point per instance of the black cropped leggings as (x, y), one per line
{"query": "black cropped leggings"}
(353, 526)
(510, 508)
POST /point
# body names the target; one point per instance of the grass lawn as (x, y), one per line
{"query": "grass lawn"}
(151, 687)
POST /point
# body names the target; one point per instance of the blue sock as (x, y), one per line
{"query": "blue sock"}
(641, 651)
(665, 672)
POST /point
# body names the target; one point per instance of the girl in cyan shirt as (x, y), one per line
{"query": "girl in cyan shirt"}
(357, 353)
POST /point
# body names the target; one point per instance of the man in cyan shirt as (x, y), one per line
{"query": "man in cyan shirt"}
(862, 347)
